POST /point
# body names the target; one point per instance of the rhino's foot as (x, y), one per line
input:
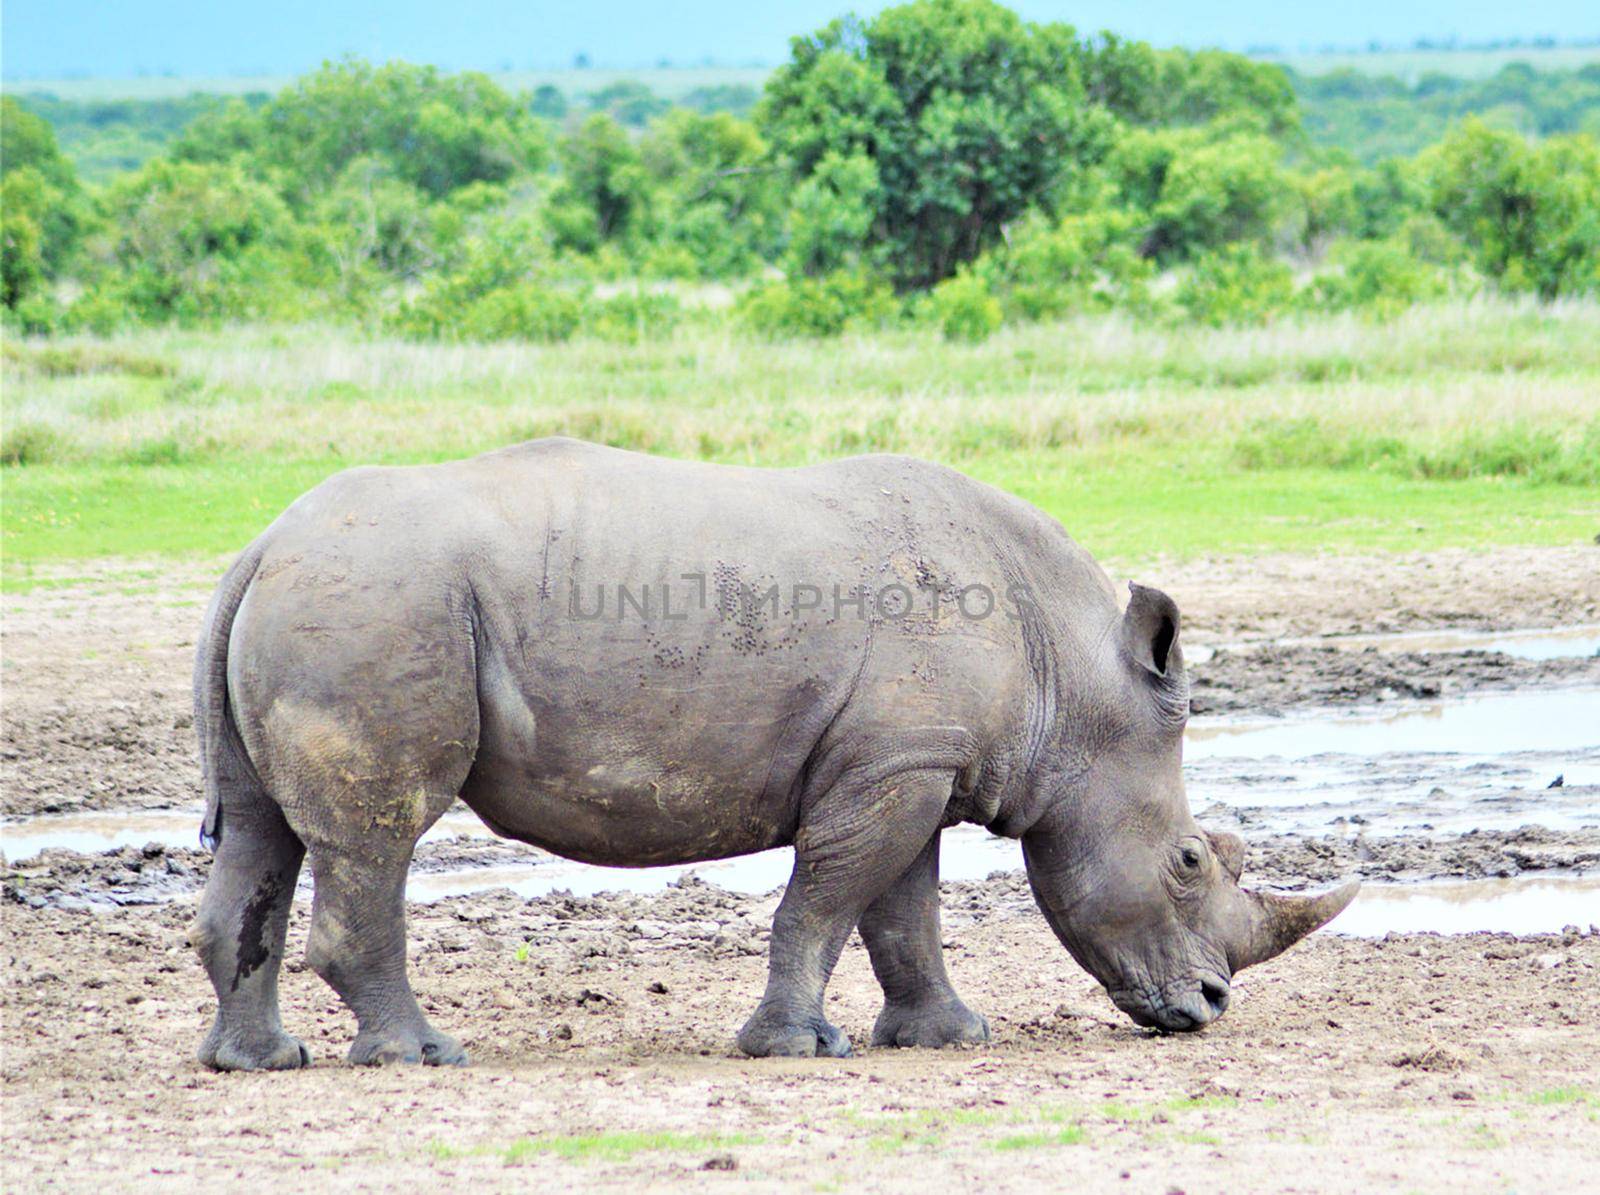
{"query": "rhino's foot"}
(933, 1024)
(779, 1033)
(393, 1047)
(271, 1050)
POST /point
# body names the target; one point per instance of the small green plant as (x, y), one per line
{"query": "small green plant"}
(31, 444)
(630, 317)
(965, 309)
(1564, 1095)
(1071, 1135)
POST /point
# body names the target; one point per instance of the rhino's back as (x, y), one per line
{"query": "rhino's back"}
(666, 653)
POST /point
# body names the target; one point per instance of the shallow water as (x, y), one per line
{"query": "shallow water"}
(1555, 720)
(965, 853)
(108, 830)
(1481, 762)
(1524, 905)
(1543, 643)
(1432, 767)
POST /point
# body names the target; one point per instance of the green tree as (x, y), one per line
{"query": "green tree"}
(628, 102)
(1531, 213)
(717, 200)
(1201, 188)
(434, 131)
(199, 243)
(831, 215)
(970, 116)
(42, 209)
(604, 192)
(549, 102)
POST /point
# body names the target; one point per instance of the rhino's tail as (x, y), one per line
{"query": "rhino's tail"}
(224, 763)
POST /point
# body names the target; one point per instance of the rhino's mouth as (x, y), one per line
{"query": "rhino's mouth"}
(1179, 1007)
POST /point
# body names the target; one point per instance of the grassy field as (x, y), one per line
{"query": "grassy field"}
(1472, 424)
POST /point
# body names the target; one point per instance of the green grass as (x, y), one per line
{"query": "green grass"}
(1127, 508)
(1564, 1095)
(1068, 1136)
(1471, 425)
(1025, 1127)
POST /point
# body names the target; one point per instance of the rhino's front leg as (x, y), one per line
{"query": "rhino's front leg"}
(851, 846)
(901, 930)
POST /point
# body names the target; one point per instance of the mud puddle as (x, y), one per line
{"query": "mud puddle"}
(1530, 643)
(1557, 721)
(1487, 762)
(966, 853)
(1453, 788)
(1524, 905)
(110, 829)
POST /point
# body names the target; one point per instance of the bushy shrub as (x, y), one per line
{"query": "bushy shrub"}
(1531, 213)
(831, 215)
(505, 287)
(1083, 263)
(526, 311)
(1379, 277)
(964, 308)
(824, 306)
(632, 316)
(604, 193)
(43, 214)
(1236, 284)
(31, 443)
(1219, 192)
(197, 244)
(717, 198)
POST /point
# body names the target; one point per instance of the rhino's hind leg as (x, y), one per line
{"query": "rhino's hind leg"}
(850, 847)
(360, 785)
(239, 934)
(358, 944)
(901, 930)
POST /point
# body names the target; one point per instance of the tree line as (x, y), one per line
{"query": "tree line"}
(943, 162)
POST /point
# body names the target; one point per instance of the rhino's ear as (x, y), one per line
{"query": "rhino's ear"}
(1150, 630)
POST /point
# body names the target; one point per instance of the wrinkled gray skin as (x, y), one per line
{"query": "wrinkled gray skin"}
(400, 638)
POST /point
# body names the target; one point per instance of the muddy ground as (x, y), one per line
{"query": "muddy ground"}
(601, 1035)
(601, 1028)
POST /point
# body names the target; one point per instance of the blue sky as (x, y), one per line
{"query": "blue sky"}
(43, 38)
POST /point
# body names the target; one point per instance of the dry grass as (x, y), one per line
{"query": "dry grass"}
(1430, 376)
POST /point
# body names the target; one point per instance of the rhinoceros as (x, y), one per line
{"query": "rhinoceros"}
(631, 661)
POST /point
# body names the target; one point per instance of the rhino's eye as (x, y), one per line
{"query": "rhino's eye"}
(1191, 858)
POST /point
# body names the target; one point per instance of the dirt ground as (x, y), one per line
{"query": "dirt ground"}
(601, 1036)
(601, 1028)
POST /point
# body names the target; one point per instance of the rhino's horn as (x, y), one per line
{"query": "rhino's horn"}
(1273, 923)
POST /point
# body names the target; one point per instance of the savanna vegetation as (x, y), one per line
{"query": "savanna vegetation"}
(1135, 285)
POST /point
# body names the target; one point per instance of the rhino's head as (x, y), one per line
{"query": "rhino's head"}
(1147, 901)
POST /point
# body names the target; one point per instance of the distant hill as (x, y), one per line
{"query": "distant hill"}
(668, 82)
(1409, 66)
